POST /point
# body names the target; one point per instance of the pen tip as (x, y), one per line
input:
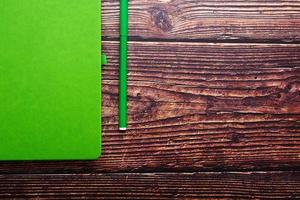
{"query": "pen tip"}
(122, 129)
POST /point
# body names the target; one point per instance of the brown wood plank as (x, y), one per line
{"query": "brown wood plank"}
(209, 107)
(260, 185)
(270, 20)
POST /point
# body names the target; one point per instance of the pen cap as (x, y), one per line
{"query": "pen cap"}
(124, 17)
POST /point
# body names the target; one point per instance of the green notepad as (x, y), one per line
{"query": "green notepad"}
(50, 79)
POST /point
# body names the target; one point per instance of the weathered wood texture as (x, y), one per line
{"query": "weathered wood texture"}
(277, 21)
(198, 106)
(276, 185)
(193, 106)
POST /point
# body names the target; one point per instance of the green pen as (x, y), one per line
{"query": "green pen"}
(123, 65)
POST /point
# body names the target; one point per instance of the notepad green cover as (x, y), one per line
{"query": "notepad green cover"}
(50, 79)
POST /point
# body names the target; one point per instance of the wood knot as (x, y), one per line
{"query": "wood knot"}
(288, 88)
(161, 19)
(235, 138)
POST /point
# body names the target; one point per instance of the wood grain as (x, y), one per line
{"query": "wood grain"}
(209, 107)
(213, 86)
(260, 185)
(264, 21)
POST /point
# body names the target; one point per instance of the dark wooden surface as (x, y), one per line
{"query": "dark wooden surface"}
(256, 185)
(214, 108)
(217, 21)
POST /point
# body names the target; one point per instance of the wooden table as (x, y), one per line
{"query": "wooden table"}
(214, 108)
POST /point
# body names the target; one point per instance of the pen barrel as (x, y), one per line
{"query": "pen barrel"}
(123, 64)
(123, 83)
